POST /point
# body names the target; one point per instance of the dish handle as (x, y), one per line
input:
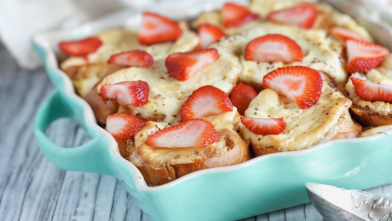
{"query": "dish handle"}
(94, 156)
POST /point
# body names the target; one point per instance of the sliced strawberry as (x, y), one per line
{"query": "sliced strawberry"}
(134, 93)
(135, 58)
(264, 126)
(191, 133)
(273, 47)
(234, 15)
(363, 56)
(302, 85)
(209, 34)
(301, 15)
(157, 29)
(80, 48)
(123, 126)
(370, 91)
(346, 34)
(205, 101)
(183, 66)
(241, 96)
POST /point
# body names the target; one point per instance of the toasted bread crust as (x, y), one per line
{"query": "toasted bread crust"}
(259, 150)
(123, 109)
(101, 108)
(237, 152)
(369, 117)
(348, 128)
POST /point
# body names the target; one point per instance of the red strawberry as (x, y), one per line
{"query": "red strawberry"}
(264, 126)
(191, 133)
(363, 56)
(123, 126)
(241, 96)
(346, 34)
(370, 91)
(209, 34)
(205, 101)
(157, 29)
(302, 85)
(234, 15)
(134, 93)
(301, 15)
(273, 47)
(135, 58)
(82, 47)
(183, 66)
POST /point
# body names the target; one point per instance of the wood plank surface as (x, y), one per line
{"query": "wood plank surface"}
(32, 188)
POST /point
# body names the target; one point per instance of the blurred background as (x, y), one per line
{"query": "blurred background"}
(20, 19)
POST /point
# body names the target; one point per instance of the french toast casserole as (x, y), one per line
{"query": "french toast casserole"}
(233, 84)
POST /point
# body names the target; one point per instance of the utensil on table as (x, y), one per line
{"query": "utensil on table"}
(335, 203)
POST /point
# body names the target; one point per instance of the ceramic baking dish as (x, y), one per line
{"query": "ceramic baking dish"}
(261, 185)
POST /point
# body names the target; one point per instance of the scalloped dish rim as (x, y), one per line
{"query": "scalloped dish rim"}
(43, 41)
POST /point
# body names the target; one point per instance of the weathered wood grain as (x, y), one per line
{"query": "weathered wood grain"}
(32, 188)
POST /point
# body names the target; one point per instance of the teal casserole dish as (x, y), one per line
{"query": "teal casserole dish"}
(258, 186)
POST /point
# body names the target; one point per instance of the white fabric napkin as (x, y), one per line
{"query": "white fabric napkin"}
(20, 19)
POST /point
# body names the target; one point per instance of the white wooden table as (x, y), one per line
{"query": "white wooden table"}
(32, 188)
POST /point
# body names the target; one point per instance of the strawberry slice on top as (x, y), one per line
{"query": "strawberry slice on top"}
(183, 66)
(303, 16)
(302, 85)
(209, 34)
(264, 126)
(80, 48)
(205, 101)
(134, 93)
(135, 58)
(123, 126)
(370, 91)
(346, 34)
(191, 133)
(364, 56)
(241, 96)
(156, 29)
(273, 47)
(234, 15)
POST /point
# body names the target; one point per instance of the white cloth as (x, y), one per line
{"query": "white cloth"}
(20, 19)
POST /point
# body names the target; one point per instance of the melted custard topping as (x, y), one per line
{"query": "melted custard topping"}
(168, 94)
(225, 124)
(305, 127)
(320, 52)
(120, 40)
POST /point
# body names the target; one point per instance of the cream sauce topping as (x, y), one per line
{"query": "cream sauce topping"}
(305, 127)
(161, 156)
(120, 40)
(320, 52)
(168, 94)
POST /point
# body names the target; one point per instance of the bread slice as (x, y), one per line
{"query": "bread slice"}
(328, 119)
(86, 72)
(168, 94)
(101, 108)
(368, 113)
(369, 131)
(321, 53)
(327, 16)
(163, 165)
(214, 18)
(120, 40)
